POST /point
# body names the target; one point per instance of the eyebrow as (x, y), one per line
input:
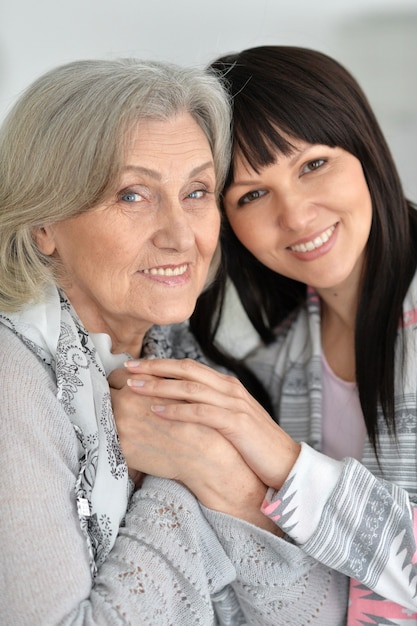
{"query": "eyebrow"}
(157, 175)
(297, 154)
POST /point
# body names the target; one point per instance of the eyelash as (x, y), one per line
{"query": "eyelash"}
(136, 197)
(255, 194)
(124, 194)
(309, 169)
(251, 196)
(203, 193)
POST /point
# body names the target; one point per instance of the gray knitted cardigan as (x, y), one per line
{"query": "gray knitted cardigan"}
(173, 562)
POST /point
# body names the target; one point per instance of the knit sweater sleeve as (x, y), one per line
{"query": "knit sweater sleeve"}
(276, 581)
(342, 515)
(166, 563)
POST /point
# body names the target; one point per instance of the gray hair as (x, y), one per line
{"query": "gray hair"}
(62, 147)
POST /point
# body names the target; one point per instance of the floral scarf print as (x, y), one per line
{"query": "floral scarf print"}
(53, 331)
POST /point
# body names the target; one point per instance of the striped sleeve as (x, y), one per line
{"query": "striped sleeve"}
(351, 521)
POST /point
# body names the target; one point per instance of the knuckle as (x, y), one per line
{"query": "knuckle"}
(235, 386)
(191, 387)
(187, 364)
(199, 410)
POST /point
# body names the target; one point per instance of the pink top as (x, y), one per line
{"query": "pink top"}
(343, 426)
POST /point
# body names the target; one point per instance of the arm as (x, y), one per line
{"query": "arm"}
(160, 571)
(275, 579)
(345, 517)
(305, 496)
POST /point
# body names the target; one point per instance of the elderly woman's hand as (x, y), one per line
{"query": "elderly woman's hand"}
(194, 454)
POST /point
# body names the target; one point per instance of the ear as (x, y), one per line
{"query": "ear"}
(44, 239)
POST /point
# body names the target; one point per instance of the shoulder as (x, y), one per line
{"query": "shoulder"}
(18, 362)
(31, 416)
(296, 341)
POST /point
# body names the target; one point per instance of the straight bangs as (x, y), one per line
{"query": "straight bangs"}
(287, 94)
(265, 128)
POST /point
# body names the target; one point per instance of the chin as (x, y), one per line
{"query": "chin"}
(173, 318)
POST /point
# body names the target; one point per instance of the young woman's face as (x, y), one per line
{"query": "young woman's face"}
(307, 216)
(142, 257)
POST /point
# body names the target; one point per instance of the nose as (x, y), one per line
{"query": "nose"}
(295, 211)
(174, 231)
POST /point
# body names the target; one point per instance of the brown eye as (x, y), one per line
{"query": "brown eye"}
(313, 165)
(251, 196)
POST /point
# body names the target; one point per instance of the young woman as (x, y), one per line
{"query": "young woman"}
(321, 245)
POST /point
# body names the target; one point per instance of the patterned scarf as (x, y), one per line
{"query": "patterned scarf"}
(53, 331)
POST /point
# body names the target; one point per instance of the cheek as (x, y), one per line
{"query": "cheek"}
(208, 235)
(357, 189)
(361, 202)
(247, 229)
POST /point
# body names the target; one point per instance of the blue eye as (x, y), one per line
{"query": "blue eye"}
(197, 194)
(251, 196)
(131, 196)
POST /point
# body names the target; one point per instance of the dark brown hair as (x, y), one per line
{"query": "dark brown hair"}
(281, 92)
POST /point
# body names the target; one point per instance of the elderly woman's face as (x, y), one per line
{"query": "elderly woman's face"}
(142, 258)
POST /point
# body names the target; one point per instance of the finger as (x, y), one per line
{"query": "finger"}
(230, 423)
(203, 414)
(186, 369)
(118, 378)
(238, 428)
(230, 395)
(249, 434)
(195, 376)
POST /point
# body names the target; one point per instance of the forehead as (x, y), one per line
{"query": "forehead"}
(262, 148)
(292, 147)
(178, 134)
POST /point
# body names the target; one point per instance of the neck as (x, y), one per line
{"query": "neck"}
(338, 316)
(123, 339)
(338, 309)
(133, 347)
(126, 334)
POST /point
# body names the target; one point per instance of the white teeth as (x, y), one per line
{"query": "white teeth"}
(167, 271)
(316, 243)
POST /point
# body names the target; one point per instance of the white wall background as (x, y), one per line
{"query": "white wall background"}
(375, 39)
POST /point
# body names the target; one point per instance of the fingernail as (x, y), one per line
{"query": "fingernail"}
(132, 363)
(133, 382)
(157, 408)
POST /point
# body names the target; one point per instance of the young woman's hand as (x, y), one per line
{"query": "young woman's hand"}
(189, 392)
(194, 454)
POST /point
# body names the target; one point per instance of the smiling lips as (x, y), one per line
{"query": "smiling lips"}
(317, 242)
(166, 271)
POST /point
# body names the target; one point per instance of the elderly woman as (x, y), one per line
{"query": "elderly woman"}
(109, 221)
